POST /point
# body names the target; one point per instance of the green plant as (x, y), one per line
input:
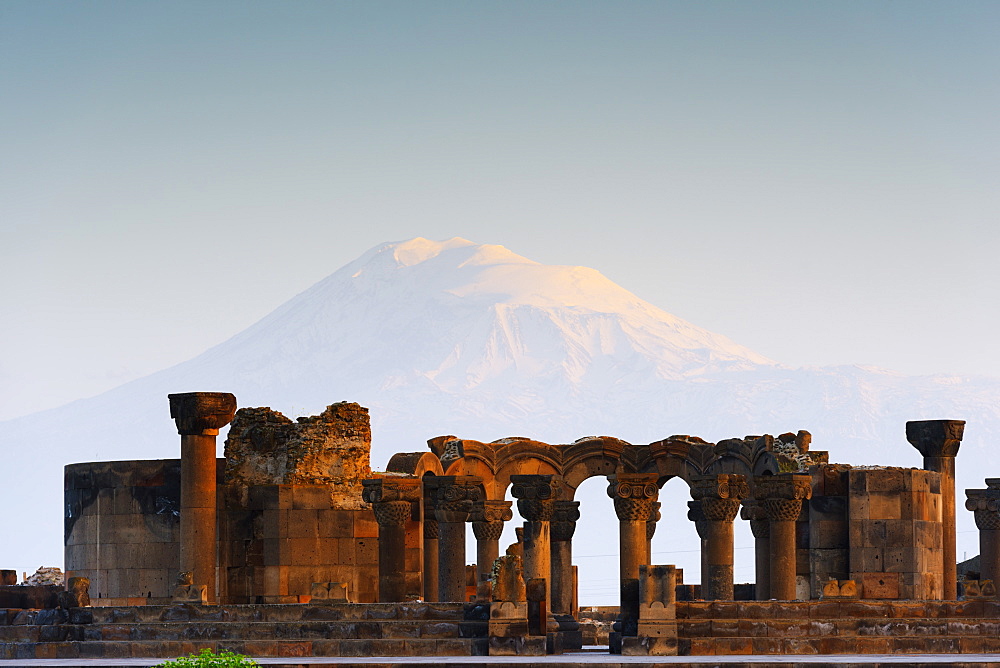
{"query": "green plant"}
(206, 658)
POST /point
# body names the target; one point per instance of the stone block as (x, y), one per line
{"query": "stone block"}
(277, 551)
(787, 628)
(766, 645)
(310, 497)
(336, 523)
(366, 551)
(649, 646)
(927, 534)
(880, 585)
(899, 533)
(304, 552)
(828, 534)
(365, 526)
(303, 523)
(886, 480)
(517, 646)
(274, 524)
(704, 646)
(724, 628)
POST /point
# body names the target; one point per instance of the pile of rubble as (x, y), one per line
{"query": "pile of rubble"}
(45, 575)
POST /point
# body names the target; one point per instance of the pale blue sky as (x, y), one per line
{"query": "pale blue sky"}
(818, 181)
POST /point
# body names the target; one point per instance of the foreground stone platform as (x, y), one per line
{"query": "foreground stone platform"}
(575, 660)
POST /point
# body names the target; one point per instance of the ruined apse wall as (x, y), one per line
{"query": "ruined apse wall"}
(122, 528)
(290, 514)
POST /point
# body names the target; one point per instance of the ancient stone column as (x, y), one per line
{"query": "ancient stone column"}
(654, 517)
(696, 515)
(985, 504)
(781, 497)
(453, 497)
(487, 524)
(536, 496)
(563, 526)
(199, 416)
(395, 502)
(430, 555)
(720, 497)
(760, 526)
(633, 494)
(938, 441)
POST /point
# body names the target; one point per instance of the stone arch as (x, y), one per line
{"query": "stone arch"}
(416, 464)
(592, 457)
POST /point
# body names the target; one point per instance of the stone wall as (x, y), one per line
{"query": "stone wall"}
(895, 533)
(122, 528)
(276, 540)
(333, 448)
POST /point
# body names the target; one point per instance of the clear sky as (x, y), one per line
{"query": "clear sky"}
(816, 180)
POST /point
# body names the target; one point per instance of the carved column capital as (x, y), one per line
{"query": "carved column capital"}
(564, 519)
(754, 513)
(431, 531)
(653, 519)
(696, 515)
(453, 495)
(488, 516)
(633, 494)
(781, 496)
(720, 495)
(536, 495)
(393, 499)
(985, 505)
(201, 413)
(936, 438)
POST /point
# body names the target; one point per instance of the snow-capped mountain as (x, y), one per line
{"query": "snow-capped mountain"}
(459, 338)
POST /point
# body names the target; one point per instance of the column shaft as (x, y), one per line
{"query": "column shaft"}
(487, 551)
(391, 563)
(198, 510)
(939, 441)
(762, 562)
(451, 561)
(946, 467)
(562, 577)
(431, 567)
(719, 551)
(782, 585)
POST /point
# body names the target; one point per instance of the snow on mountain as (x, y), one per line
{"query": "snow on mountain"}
(455, 337)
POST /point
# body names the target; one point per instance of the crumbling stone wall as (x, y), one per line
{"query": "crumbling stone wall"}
(333, 449)
(291, 511)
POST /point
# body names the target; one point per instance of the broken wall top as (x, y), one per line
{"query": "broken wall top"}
(333, 448)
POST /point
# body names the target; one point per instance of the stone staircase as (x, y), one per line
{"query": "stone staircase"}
(838, 627)
(351, 630)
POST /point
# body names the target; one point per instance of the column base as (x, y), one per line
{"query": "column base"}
(649, 646)
(570, 636)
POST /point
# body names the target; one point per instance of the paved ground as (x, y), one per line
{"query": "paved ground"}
(573, 660)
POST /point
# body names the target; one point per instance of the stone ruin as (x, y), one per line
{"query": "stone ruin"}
(293, 525)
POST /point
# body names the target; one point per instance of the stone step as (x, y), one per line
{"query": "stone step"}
(278, 612)
(858, 627)
(371, 629)
(865, 645)
(273, 648)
